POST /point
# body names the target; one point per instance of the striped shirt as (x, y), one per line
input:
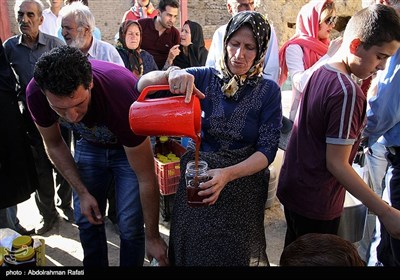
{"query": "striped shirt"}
(332, 111)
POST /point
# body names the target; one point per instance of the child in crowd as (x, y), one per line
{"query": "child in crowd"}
(318, 249)
(317, 167)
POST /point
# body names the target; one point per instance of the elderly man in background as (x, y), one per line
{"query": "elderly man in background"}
(77, 25)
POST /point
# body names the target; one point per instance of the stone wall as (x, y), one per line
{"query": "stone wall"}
(209, 13)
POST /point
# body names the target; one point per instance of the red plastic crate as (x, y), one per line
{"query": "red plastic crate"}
(168, 174)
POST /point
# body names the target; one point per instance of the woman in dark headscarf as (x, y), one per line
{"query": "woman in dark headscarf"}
(192, 47)
(239, 138)
(135, 59)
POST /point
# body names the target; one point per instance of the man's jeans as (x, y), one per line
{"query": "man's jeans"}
(389, 248)
(377, 165)
(97, 167)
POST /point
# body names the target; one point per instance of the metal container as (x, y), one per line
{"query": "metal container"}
(352, 221)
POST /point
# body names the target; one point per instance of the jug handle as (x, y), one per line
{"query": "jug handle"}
(152, 88)
(148, 89)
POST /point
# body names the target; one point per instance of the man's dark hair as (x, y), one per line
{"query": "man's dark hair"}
(62, 70)
(320, 249)
(164, 3)
(374, 26)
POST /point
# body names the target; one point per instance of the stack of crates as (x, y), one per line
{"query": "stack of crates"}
(168, 175)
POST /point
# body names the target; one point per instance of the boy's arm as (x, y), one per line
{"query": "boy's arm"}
(337, 162)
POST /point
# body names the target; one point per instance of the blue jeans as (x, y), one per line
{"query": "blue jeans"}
(97, 167)
(388, 250)
(376, 165)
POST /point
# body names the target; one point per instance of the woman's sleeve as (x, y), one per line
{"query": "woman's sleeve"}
(148, 61)
(294, 61)
(271, 121)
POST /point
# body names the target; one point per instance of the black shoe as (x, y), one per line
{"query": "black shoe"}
(67, 214)
(23, 231)
(46, 225)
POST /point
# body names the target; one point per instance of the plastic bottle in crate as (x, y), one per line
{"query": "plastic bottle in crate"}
(162, 145)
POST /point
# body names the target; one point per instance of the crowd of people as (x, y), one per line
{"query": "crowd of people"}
(69, 89)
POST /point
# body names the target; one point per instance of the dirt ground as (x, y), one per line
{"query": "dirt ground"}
(64, 249)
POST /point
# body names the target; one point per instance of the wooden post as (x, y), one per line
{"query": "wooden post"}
(5, 31)
(183, 11)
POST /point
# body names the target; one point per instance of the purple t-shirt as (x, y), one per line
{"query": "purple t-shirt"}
(332, 111)
(106, 122)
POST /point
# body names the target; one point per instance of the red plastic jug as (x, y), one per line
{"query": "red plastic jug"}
(169, 116)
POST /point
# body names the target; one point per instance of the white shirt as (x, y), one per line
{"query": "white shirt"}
(101, 50)
(51, 23)
(299, 76)
(271, 62)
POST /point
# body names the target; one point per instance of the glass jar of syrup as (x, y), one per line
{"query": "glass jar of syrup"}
(194, 177)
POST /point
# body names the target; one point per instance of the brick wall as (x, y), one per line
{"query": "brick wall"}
(209, 13)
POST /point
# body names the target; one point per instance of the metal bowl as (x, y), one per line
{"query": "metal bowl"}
(352, 221)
